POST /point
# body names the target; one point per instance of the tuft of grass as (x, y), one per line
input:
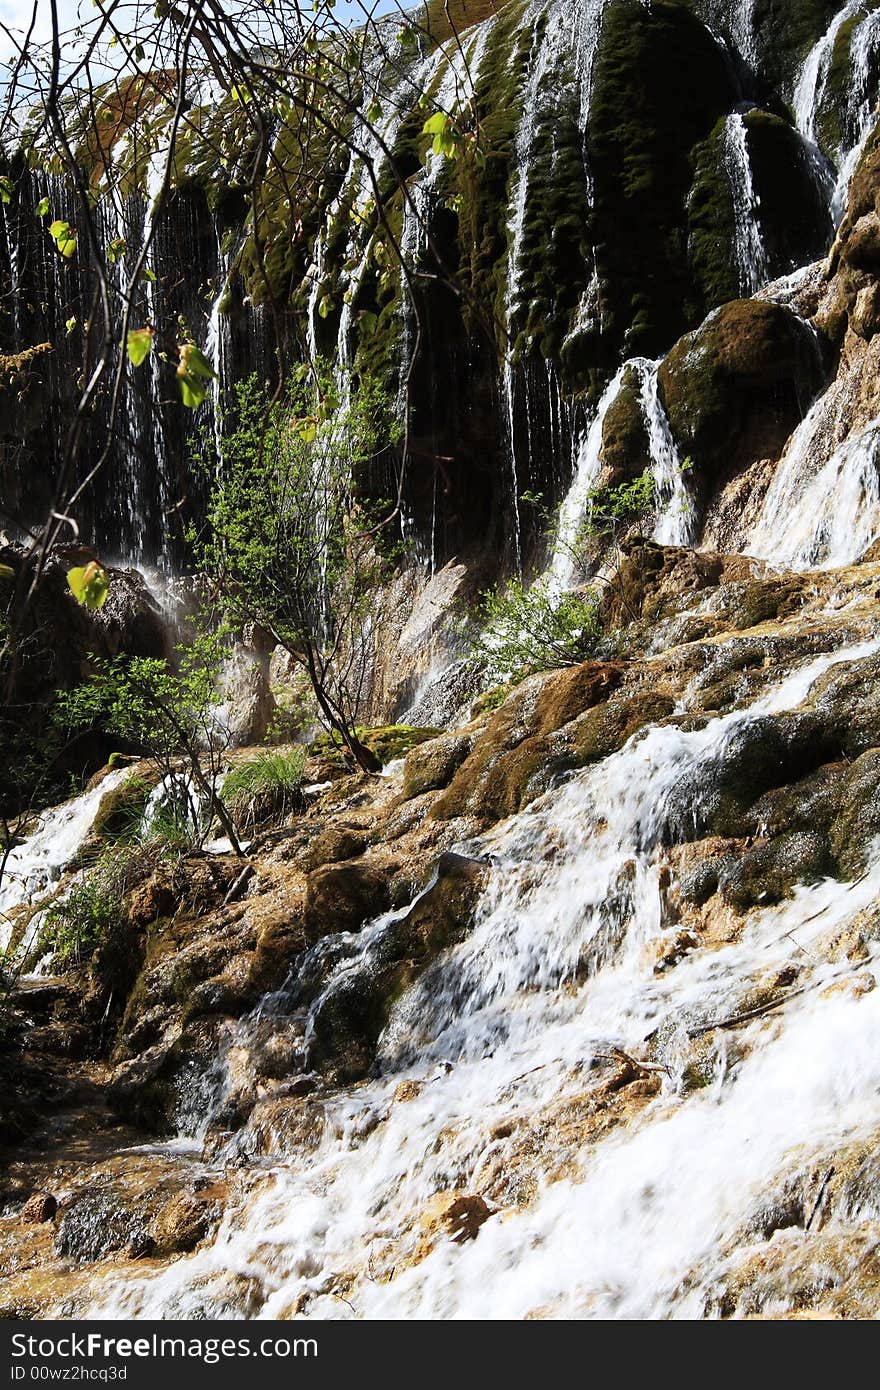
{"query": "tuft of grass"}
(266, 787)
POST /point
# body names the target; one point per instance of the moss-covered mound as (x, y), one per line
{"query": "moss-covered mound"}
(736, 387)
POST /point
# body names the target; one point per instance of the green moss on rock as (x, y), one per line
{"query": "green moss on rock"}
(736, 387)
(661, 83)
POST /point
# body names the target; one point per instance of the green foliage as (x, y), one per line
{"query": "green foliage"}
(169, 713)
(524, 629)
(288, 545)
(610, 507)
(64, 237)
(443, 133)
(146, 702)
(89, 914)
(139, 342)
(89, 584)
(194, 375)
(266, 787)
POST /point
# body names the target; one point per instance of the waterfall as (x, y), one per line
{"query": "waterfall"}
(573, 511)
(507, 1044)
(823, 505)
(742, 30)
(748, 246)
(861, 105)
(675, 513)
(34, 866)
(811, 83)
(676, 516)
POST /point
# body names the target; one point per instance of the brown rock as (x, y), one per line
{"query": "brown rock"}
(344, 896)
(454, 1214)
(862, 248)
(183, 1221)
(151, 900)
(41, 1206)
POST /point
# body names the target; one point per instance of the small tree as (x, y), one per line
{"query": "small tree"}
(168, 712)
(290, 547)
(524, 629)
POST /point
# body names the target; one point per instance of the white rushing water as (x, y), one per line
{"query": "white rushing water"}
(34, 867)
(748, 246)
(509, 1032)
(810, 87)
(823, 506)
(674, 511)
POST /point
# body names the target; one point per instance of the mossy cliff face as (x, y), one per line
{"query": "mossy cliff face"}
(599, 221)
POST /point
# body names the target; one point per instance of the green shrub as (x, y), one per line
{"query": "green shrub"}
(76, 926)
(524, 629)
(266, 787)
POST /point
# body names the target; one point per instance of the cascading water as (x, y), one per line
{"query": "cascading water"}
(675, 513)
(35, 866)
(748, 246)
(809, 91)
(861, 99)
(823, 507)
(519, 1024)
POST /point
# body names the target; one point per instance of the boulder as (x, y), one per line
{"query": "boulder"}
(39, 1207)
(342, 897)
(183, 1221)
(431, 766)
(736, 387)
(352, 1013)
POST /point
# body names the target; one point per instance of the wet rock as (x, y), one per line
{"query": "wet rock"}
(97, 1224)
(120, 809)
(769, 872)
(283, 1124)
(352, 1013)
(761, 753)
(431, 766)
(336, 843)
(524, 744)
(454, 1215)
(736, 387)
(342, 897)
(183, 1222)
(40, 1207)
(857, 822)
(625, 448)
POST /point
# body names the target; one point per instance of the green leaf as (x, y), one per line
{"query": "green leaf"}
(306, 428)
(194, 372)
(89, 584)
(64, 238)
(325, 306)
(139, 342)
(116, 250)
(42, 208)
(7, 188)
(139, 53)
(70, 324)
(436, 124)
